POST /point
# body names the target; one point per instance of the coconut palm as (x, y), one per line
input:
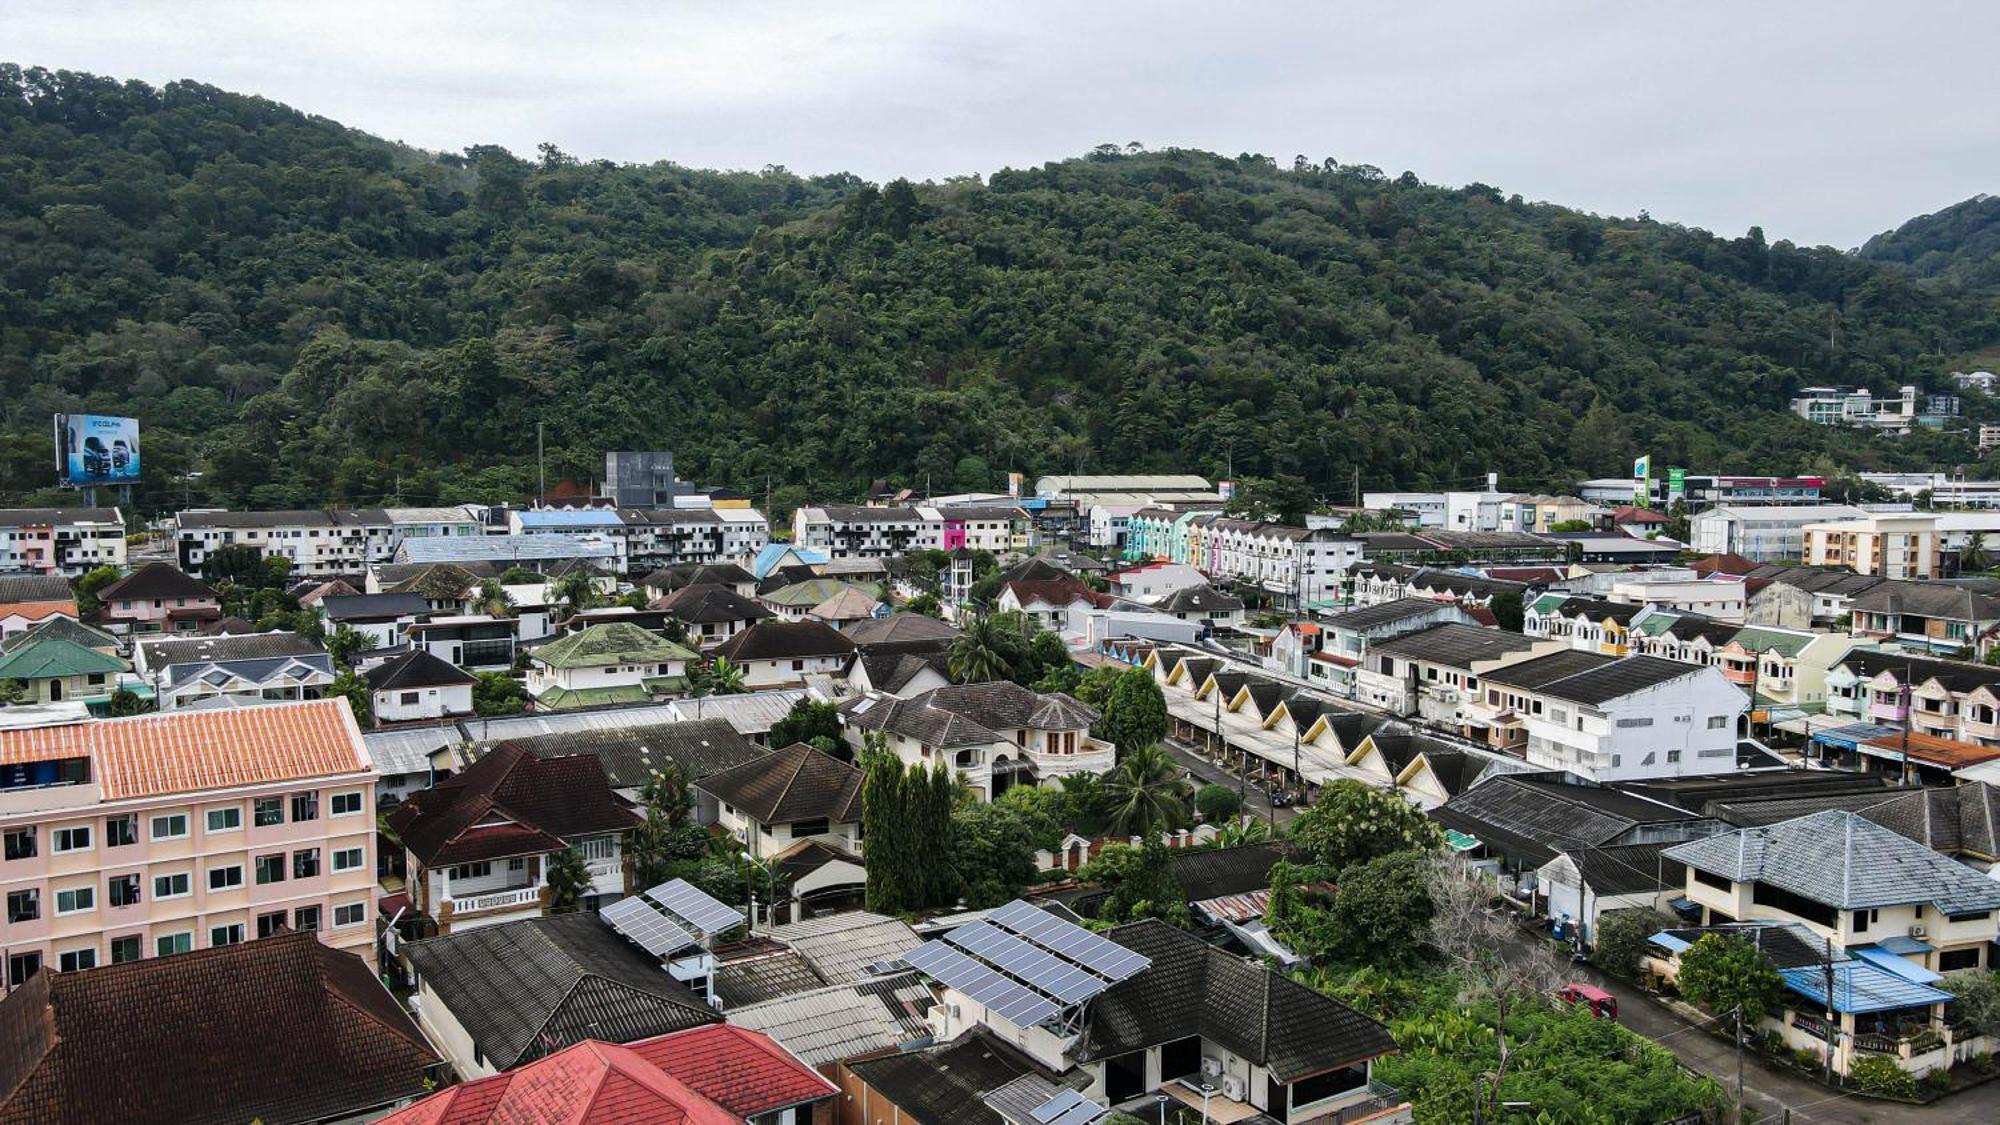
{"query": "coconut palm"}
(979, 653)
(1973, 557)
(492, 600)
(1146, 791)
(576, 591)
(726, 678)
(568, 877)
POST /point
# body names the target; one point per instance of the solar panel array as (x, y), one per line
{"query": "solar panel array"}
(1069, 1108)
(1025, 965)
(695, 908)
(651, 930)
(1067, 939)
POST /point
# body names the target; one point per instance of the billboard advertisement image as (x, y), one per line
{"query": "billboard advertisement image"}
(96, 449)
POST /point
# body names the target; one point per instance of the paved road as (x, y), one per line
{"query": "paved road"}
(1769, 1090)
(1205, 772)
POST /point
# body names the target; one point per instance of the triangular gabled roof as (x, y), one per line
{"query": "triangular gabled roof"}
(510, 803)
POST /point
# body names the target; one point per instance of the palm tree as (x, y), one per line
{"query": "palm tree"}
(725, 677)
(1240, 831)
(492, 600)
(978, 653)
(1147, 792)
(568, 876)
(1973, 557)
(576, 591)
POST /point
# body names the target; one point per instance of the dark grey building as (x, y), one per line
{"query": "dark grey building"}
(642, 480)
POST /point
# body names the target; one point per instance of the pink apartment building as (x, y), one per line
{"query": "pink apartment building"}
(154, 835)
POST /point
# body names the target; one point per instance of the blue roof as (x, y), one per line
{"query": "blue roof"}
(1902, 967)
(1854, 734)
(1860, 987)
(767, 559)
(570, 518)
(1904, 946)
(1669, 942)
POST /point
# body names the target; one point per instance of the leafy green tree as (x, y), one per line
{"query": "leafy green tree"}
(1507, 610)
(493, 600)
(518, 575)
(1094, 688)
(807, 720)
(1217, 803)
(1352, 823)
(993, 850)
(1380, 904)
(568, 878)
(1621, 938)
(354, 689)
(1972, 557)
(1284, 499)
(979, 653)
(1978, 1001)
(906, 819)
(125, 702)
(1146, 793)
(344, 642)
(1727, 974)
(13, 692)
(239, 564)
(89, 583)
(725, 677)
(926, 604)
(1135, 713)
(1141, 881)
(495, 694)
(1241, 831)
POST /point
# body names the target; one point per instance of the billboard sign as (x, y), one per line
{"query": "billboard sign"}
(1642, 478)
(93, 449)
(1677, 484)
(1014, 486)
(1226, 489)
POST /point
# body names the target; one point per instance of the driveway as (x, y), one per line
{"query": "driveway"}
(1206, 772)
(1771, 1091)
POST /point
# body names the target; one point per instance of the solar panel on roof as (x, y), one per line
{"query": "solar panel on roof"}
(695, 907)
(983, 986)
(646, 927)
(1057, 1106)
(1070, 941)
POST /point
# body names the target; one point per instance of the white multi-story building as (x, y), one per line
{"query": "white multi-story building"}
(1904, 546)
(64, 541)
(663, 537)
(1607, 718)
(846, 531)
(1722, 597)
(1764, 533)
(1445, 511)
(1297, 566)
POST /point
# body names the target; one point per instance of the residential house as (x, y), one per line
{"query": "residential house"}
(69, 542)
(51, 669)
(847, 607)
(68, 629)
(1687, 637)
(382, 618)
(1583, 881)
(1298, 567)
(710, 1074)
(1150, 581)
(314, 543)
(1530, 514)
(417, 686)
(348, 1052)
(1829, 592)
(1928, 617)
(1944, 698)
(1900, 916)
(504, 996)
(727, 574)
(1783, 670)
(795, 601)
(903, 654)
(253, 667)
(783, 653)
(1378, 582)
(1588, 624)
(1435, 672)
(1718, 597)
(995, 734)
(1174, 1008)
(662, 537)
(829, 1025)
(156, 598)
(616, 662)
(712, 612)
(28, 600)
(630, 754)
(474, 641)
(161, 833)
(981, 527)
(1203, 604)
(1762, 532)
(787, 796)
(1961, 821)
(844, 531)
(1427, 770)
(1348, 635)
(479, 842)
(1614, 718)
(448, 587)
(1640, 523)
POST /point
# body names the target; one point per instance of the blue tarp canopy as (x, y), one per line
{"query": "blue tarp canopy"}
(1668, 942)
(1902, 967)
(1860, 987)
(1851, 737)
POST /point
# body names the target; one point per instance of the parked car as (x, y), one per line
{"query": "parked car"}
(1603, 1005)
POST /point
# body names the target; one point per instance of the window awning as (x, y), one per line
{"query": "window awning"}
(1904, 946)
(1860, 987)
(1668, 942)
(1901, 966)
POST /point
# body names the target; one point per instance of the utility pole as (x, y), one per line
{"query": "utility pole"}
(1738, 1016)
(1826, 977)
(541, 471)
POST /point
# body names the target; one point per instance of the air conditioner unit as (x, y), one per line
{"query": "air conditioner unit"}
(1211, 1068)
(1232, 1088)
(1916, 931)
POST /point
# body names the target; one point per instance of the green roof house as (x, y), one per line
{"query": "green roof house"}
(616, 662)
(55, 669)
(797, 600)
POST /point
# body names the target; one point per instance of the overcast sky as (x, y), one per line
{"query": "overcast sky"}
(1823, 122)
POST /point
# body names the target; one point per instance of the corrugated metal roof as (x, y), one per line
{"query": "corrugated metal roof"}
(409, 750)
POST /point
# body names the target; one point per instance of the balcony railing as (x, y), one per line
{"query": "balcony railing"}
(605, 867)
(497, 900)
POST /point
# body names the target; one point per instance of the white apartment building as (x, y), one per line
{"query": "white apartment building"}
(846, 531)
(1297, 566)
(1722, 597)
(63, 541)
(1615, 718)
(663, 537)
(1901, 546)
(1762, 533)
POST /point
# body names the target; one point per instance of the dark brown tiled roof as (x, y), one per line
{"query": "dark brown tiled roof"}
(155, 580)
(282, 1029)
(799, 782)
(548, 801)
(416, 669)
(1206, 873)
(901, 628)
(1192, 988)
(631, 754)
(781, 640)
(709, 603)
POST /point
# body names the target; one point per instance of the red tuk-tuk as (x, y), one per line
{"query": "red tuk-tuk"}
(1603, 1005)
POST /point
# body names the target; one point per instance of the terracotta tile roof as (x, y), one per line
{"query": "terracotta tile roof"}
(189, 751)
(68, 1055)
(718, 1075)
(36, 611)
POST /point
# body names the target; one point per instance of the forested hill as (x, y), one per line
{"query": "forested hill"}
(1961, 243)
(308, 314)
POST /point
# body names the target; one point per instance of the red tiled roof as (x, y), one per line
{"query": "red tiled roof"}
(716, 1075)
(188, 751)
(36, 611)
(1050, 591)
